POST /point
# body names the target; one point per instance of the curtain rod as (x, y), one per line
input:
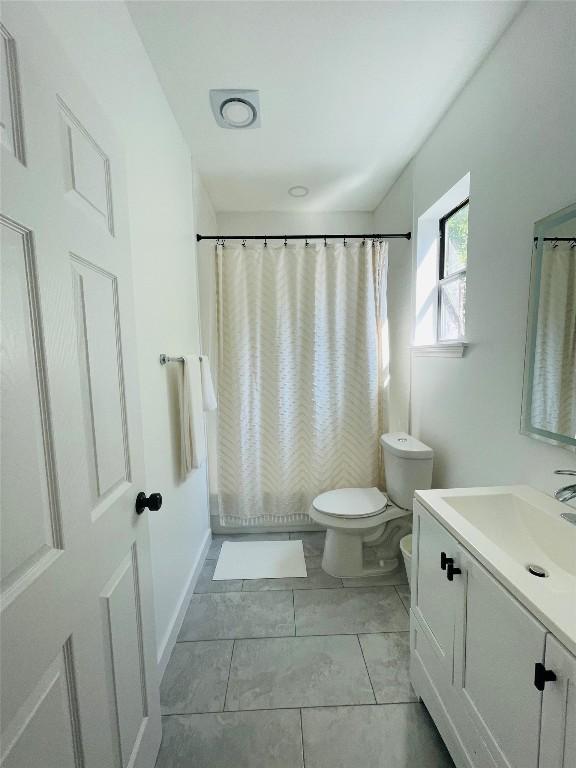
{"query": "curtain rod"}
(389, 236)
(557, 239)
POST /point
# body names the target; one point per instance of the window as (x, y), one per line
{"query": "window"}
(453, 259)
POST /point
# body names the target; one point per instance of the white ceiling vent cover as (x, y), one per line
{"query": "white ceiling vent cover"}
(236, 108)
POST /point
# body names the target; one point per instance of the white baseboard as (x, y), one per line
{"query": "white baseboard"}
(171, 634)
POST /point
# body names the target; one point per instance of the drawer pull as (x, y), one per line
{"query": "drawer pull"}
(542, 676)
(444, 561)
(451, 571)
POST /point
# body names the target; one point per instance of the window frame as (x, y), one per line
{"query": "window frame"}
(443, 279)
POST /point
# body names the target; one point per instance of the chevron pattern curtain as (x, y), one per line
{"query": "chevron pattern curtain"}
(302, 375)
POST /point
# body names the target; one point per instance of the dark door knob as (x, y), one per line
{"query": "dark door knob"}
(451, 571)
(542, 676)
(445, 560)
(153, 502)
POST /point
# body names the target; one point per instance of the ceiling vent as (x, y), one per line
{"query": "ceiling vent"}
(236, 108)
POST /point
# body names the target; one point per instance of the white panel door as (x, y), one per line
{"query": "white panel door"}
(78, 673)
(558, 734)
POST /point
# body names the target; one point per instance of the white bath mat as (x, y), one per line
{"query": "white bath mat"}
(260, 560)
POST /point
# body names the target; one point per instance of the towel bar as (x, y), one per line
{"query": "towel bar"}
(167, 359)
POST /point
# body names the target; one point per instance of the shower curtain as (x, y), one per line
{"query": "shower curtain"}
(554, 381)
(303, 375)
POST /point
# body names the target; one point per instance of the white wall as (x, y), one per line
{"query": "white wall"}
(294, 222)
(395, 215)
(104, 47)
(513, 129)
(208, 225)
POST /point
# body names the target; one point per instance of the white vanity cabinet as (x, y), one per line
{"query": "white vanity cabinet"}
(474, 651)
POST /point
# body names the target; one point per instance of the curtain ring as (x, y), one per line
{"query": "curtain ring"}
(363, 241)
(573, 243)
(555, 244)
(244, 243)
(285, 241)
(324, 241)
(265, 243)
(307, 243)
(345, 243)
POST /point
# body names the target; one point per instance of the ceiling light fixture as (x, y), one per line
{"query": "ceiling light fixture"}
(298, 191)
(236, 108)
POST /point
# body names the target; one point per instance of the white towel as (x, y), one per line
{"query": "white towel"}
(192, 432)
(208, 394)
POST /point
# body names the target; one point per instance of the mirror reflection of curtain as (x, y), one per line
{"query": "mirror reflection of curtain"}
(554, 381)
(302, 380)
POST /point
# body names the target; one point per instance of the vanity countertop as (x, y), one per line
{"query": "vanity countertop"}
(508, 528)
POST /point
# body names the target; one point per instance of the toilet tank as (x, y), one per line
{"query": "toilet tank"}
(407, 465)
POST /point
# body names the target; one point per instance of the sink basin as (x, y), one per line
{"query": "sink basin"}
(528, 533)
(508, 529)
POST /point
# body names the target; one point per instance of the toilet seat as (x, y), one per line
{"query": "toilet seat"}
(351, 503)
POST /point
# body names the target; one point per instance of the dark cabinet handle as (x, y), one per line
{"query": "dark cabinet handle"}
(152, 502)
(451, 571)
(542, 676)
(445, 560)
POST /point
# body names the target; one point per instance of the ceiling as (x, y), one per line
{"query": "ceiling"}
(348, 90)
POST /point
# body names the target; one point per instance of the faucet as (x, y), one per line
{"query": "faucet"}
(567, 493)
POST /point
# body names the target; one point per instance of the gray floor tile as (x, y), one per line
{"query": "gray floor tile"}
(298, 672)
(387, 657)
(349, 610)
(312, 541)
(218, 538)
(404, 592)
(316, 579)
(232, 740)
(388, 736)
(385, 579)
(238, 614)
(205, 583)
(196, 677)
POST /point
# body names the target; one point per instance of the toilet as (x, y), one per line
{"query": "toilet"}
(357, 516)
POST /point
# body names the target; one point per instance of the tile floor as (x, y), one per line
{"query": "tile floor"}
(295, 673)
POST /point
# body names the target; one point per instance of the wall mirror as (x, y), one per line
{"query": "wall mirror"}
(549, 398)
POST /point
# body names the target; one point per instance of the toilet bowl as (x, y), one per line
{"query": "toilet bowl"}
(354, 517)
(351, 517)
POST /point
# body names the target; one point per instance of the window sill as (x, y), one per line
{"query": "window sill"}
(447, 349)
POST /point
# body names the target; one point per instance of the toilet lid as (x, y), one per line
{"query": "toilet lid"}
(351, 502)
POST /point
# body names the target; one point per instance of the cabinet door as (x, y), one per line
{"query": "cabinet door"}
(436, 600)
(495, 670)
(558, 735)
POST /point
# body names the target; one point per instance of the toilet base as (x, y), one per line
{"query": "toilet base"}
(344, 556)
(346, 537)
